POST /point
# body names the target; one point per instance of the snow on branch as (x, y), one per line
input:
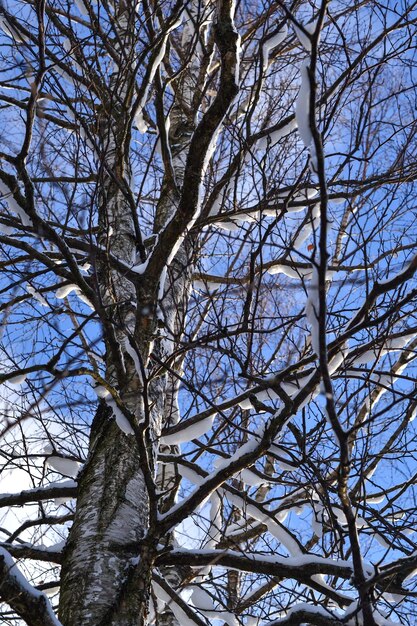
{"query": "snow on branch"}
(193, 430)
(306, 613)
(300, 568)
(50, 554)
(30, 604)
(64, 489)
(272, 42)
(14, 205)
(181, 610)
(156, 60)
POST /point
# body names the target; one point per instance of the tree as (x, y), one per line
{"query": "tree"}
(208, 299)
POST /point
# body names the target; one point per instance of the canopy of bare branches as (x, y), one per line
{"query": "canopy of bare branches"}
(208, 313)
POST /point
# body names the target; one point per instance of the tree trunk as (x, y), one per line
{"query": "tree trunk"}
(108, 563)
(112, 513)
(100, 581)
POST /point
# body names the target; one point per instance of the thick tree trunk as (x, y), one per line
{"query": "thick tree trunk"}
(101, 583)
(112, 515)
(109, 558)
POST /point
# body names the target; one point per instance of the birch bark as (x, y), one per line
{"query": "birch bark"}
(110, 554)
(113, 503)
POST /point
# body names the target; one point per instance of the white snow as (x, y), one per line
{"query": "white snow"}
(218, 473)
(396, 343)
(163, 276)
(194, 431)
(293, 387)
(274, 526)
(304, 39)
(291, 208)
(210, 151)
(178, 612)
(376, 352)
(271, 43)
(291, 272)
(218, 202)
(375, 499)
(338, 360)
(317, 519)
(285, 466)
(281, 461)
(6, 230)
(189, 474)
(312, 310)
(228, 226)
(296, 562)
(131, 351)
(69, 484)
(81, 7)
(140, 123)
(64, 466)
(202, 600)
(51, 591)
(23, 583)
(207, 285)
(36, 295)
(215, 531)
(63, 292)
(251, 479)
(138, 117)
(267, 395)
(11, 32)
(101, 391)
(6, 192)
(382, 542)
(84, 298)
(245, 404)
(308, 227)
(17, 380)
(238, 55)
(307, 194)
(310, 609)
(273, 137)
(302, 107)
(140, 269)
(121, 419)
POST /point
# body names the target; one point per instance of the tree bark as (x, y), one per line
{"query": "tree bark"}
(109, 558)
(112, 512)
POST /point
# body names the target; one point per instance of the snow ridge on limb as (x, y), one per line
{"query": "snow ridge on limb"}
(272, 42)
(301, 567)
(190, 432)
(246, 455)
(66, 488)
(306, 613)
(30, 604)
(50, 554)
(157, 58)
(182, 612)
